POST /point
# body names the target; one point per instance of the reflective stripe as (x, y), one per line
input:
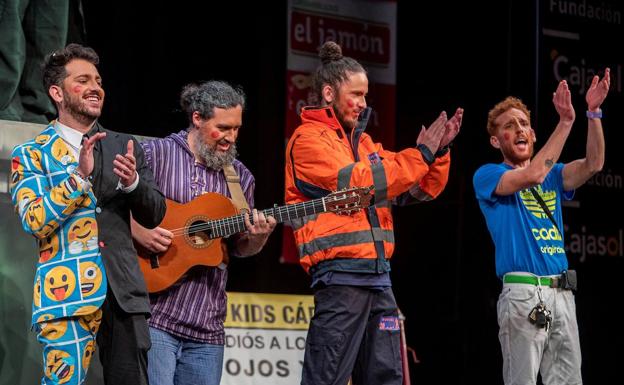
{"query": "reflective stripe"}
(344, 176)
(381, 185)
(419, 194)
(298, 223)
(379, 234)
(376, 229)
(344, 239)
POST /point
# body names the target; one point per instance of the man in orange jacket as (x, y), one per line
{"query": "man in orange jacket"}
(354, 332)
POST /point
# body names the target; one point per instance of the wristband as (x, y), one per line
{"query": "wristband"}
(427, 155)
(442, 151)
(594, 115)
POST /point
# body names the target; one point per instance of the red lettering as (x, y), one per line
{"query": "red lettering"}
(359, 39)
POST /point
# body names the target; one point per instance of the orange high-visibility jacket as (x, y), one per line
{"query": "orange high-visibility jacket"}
(320, 158)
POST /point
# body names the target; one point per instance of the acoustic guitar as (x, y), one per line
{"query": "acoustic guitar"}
(200, 225)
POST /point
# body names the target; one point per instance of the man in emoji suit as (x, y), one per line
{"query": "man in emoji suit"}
(75, 187)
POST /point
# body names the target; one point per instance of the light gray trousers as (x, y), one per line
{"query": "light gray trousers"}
(527, 349)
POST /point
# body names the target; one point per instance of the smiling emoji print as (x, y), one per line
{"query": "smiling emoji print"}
(91, 321)
(59, 283)
(89, 351)
(48, 248)
(82, 235)
(60, 151)
(24, 197)
(62, 195)
(35, 157)
(42, 139)
(90, 278)
(36, 215)
(59, 366)
(53, 330)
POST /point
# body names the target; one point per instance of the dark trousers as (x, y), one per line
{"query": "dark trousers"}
(354, 334)
(123, 340)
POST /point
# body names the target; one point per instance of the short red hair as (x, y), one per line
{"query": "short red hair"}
(499, 109)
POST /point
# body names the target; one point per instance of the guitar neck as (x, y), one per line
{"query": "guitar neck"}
(236, 224)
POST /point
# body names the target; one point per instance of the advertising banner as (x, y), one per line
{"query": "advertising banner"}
(265, 338)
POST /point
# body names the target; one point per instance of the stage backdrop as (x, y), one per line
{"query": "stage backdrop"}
(366, 31)
(578, 40)
(573, 36)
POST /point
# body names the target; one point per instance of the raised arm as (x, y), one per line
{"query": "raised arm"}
(577, 172)
(43, 207)
(316, 173)
(524, 177)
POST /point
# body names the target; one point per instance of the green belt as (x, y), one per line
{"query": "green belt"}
(529, 279)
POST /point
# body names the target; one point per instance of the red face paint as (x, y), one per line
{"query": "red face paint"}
(214, 135)
(350, 103)
(506, 136)
(77, 89)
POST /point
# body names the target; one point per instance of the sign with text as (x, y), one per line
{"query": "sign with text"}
(575, 45)
(265, 338)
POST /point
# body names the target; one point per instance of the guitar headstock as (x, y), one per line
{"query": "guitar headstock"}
(349, 200)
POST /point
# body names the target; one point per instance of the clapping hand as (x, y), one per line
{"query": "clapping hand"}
(125, 166)
(431, 137)
(562, 99)
(85, 158)
(452, 127)
(597, 91)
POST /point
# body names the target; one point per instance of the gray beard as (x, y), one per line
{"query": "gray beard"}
(213, 159)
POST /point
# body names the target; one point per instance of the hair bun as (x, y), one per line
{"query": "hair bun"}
(187, 94)
(329, 52)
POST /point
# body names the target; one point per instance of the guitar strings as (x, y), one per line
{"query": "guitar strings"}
(230, 222)
(238, 220)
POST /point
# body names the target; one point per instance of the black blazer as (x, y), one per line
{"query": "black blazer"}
(147, 205)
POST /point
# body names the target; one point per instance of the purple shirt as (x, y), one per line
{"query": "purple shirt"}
(195, 306)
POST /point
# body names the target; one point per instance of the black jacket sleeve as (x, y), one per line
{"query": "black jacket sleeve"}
(147, 203)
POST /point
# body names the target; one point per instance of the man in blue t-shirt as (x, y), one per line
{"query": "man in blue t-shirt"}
(521, 201)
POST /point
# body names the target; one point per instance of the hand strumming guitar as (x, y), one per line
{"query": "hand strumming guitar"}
(156, 240)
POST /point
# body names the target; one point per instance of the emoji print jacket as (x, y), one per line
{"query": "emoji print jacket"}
(58, 209)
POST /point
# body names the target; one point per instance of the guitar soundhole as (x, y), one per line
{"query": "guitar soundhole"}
(198, 234)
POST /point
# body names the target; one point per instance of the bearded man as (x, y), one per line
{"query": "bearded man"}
(186, 326)
(75, 187)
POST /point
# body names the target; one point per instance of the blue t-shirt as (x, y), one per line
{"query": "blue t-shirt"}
(524, 237)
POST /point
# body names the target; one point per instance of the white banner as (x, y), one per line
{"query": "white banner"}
(265, 338)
